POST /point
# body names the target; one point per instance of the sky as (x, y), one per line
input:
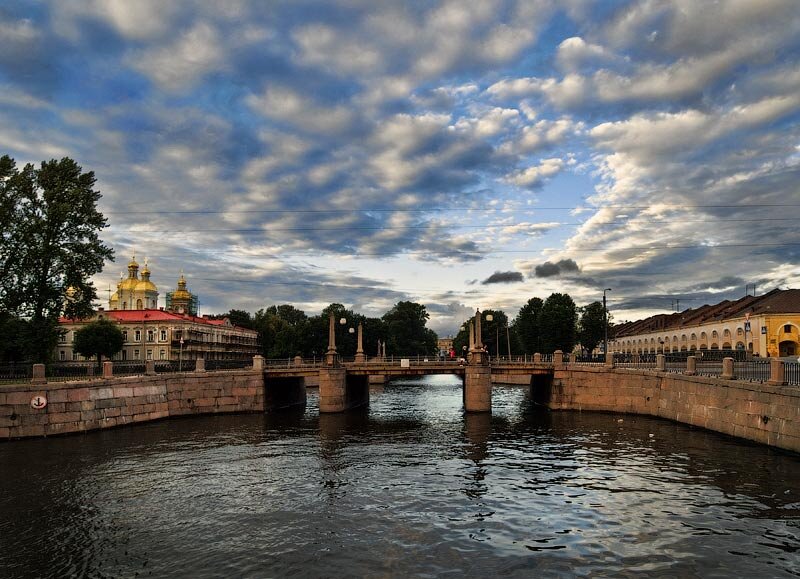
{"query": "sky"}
(457, 154)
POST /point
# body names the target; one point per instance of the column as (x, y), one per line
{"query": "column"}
(776, 372)
(360, 357)
(691, 366)
(727, 369)
(330, 355)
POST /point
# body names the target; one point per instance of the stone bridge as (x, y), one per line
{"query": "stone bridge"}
(343, 386)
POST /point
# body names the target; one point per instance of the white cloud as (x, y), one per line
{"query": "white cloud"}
(534, 176)
(193, 54)
(288, 106)
(574, 52)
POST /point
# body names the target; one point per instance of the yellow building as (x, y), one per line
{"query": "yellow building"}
(153, 333)
(766, 325)
(135, 293)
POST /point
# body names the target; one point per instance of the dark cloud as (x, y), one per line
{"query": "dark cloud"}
(503, 277)
(550, 269)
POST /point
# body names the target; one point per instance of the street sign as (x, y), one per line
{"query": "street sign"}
(38, 402)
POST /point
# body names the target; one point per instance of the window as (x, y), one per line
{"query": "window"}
(787, 329)
(149, 354)
(62, 355)
(124, 354)
(162, 355)
(138, 304)
(163, 335)
(151, 335)
(62, 339)
(136, 354)
(137, 337)
(124, 335)
(74, 356)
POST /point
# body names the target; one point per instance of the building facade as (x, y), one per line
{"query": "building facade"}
(151, 333)
(766, 325)
(162, 335)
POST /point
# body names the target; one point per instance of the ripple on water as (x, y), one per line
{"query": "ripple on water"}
(412, 486)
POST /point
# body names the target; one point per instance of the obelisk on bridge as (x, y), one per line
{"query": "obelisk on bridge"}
(477, 351)
(360, 357)
(330, 355)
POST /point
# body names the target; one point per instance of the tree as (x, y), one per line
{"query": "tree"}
(16, 334)
(526, 326)
(50, 247)
(240, 318)
(557, 323)
(406, 332)
(591, 328)
(99, 338)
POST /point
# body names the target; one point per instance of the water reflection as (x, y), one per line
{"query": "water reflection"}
(410, 486)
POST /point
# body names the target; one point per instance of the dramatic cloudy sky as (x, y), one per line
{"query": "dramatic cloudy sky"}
(459, 154)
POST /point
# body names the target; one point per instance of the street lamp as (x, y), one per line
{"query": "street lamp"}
(490, 318)
(605, 322)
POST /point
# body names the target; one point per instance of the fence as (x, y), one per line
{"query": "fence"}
(753, 369)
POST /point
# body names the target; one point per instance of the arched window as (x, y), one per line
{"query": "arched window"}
(138, 304)
(740, 332)
(693, 337)
(714, 334)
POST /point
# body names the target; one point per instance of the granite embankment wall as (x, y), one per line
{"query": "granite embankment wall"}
(109, 402)
(759, 412)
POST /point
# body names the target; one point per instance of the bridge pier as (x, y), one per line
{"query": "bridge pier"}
(478, 388)
(339, 392)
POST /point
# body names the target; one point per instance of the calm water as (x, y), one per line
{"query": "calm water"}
(410, 487)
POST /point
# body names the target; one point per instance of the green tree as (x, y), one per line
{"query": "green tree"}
(591, 328)
(50, 245)
(240, 318)
(99, 338)
(558, 323)
(406, 331)
(16, 334)
(526, 327)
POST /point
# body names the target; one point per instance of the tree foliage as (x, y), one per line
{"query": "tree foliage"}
(406, 331)
(526, 326)
(99, 338)
(591, 328)
(49, 245)
(557, 323)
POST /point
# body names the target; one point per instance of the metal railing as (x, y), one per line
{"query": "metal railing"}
(753, 370)
(791, 373)
(709, 368)
(16, 373)
(589, 360)
(228, 364)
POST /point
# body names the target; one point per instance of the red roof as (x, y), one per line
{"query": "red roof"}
(132, 316)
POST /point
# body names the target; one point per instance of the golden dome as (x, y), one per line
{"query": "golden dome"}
(181, 293)
(145, 285)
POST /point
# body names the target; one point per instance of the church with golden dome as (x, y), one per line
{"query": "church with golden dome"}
(173, 333)
(139, 293)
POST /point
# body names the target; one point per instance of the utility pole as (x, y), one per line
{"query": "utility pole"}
(605, 322)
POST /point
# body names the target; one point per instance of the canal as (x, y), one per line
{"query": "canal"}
(410, 487)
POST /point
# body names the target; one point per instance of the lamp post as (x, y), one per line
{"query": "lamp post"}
(490, 318)
(605, 322)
